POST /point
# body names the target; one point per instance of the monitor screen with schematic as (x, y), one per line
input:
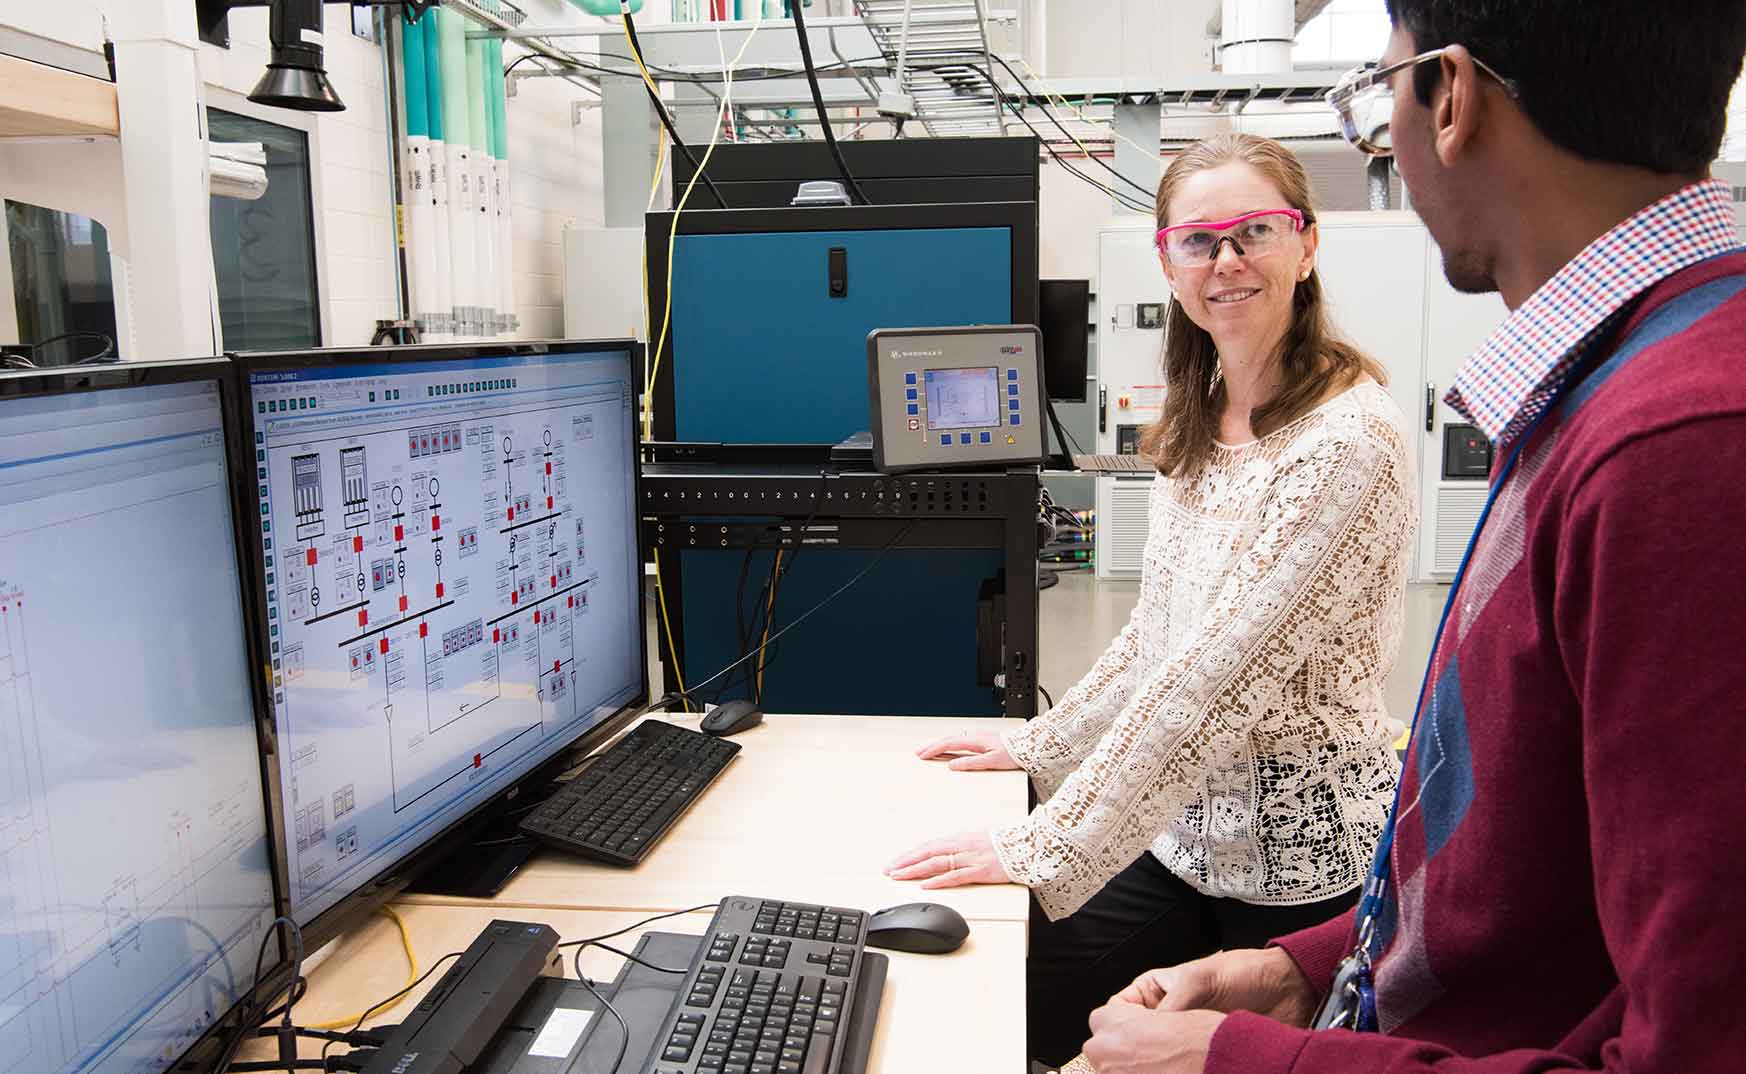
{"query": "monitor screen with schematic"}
(136, 874)
(445, 545)
(955, 398)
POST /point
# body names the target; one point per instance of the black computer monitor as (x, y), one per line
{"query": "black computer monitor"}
(445, 540)
(136, 881)
(1064, 315)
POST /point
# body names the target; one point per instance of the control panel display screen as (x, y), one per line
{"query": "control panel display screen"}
(963, 398)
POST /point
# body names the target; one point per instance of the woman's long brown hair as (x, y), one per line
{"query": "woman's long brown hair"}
(1313, 361)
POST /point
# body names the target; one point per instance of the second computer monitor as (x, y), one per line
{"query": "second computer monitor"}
(452, 586)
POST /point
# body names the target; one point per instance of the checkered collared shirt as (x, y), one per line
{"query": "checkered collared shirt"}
(1508, 381)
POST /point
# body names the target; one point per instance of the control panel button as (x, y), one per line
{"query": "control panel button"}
(1012, 419)
(1012, 389)
(1012, 404)
(987, 438)
(909, 393)
(963, 438)
(945, 439)
(1012, 374)
(914, 408)
(909, 378)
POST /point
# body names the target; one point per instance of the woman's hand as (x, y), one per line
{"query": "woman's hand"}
(951, 862)
(979, 752)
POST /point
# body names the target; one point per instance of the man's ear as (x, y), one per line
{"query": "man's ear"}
(1457, 105)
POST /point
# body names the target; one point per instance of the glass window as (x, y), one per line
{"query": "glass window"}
(61, 284)
(263, 251)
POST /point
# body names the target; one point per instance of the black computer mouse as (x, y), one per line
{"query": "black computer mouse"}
(731, 718)
(925, 928)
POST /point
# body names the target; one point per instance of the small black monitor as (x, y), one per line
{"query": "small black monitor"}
(1064, 315)
(136, 880)
(445, 540)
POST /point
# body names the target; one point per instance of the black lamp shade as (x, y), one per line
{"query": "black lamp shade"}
(303, 88)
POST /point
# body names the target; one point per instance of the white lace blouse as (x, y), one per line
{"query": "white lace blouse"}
(1236, 726)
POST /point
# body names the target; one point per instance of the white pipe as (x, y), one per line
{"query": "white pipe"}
(463, 206)
(484, 224)
(1257, 36)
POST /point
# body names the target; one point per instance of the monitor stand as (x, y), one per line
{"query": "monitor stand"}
(479, 866)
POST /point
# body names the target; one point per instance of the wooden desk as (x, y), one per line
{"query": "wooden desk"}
(961, 1013)
(811, 810)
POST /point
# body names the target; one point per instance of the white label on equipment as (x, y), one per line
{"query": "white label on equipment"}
(561, 1032)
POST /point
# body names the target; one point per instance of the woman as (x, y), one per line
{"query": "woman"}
(1235, 728)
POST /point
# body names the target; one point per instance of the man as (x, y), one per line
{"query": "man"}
(1566, 872)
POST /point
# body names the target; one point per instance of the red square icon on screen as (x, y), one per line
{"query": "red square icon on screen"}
(439, 591)
(399, 533)
(436, 523)
(384, 646)
(403, 602)
(357, 544)
(548, 467)
(554, 581)
(555, 667)
(364, 617)
(423, 630)
(496, 635)
(536, 617)
(478, 760)
(515, 597)
(512, 514)
(548, 503)
(311, 557)
(570, 601)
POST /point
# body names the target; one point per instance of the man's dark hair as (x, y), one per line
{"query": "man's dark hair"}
(1619, 81)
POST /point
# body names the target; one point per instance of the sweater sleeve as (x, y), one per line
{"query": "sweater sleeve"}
(1334, 516)
(1052, 745)
(1650, 626)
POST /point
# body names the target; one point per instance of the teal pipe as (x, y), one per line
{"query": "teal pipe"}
(413, 91)
(433, 73)
(499, 104)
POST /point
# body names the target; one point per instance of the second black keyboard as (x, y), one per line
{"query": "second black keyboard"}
(622, 804)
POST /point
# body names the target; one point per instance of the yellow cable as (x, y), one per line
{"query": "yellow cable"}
(673, 234)
(351, 1020)
(667, 628)
(769, 610)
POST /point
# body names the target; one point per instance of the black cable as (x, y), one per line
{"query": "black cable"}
(640, 924)
(839, 591)
(360, 1039)
(628, 957)
(250, 1016)
(374, 1007)
(1120, 195)
(767, 608)
(299, 1064)
(824, 119)
(1051, 118)
(1045, 694)
(606, 1004)
(630, 28)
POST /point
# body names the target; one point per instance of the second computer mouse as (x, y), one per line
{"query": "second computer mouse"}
(922, 927)
(731, 718)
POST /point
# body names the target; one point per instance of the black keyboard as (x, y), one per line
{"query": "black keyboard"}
(775, 988)
(620, 806)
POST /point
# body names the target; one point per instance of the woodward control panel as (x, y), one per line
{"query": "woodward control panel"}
(953, 398)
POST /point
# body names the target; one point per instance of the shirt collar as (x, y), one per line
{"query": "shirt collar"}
(1507, 382)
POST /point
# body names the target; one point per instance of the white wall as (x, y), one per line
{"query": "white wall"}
(1126, 38)
(555, 167)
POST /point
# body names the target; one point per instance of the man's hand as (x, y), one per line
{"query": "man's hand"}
(950, 862)
(982, 751)
(1129, 1039)
(1265, 981)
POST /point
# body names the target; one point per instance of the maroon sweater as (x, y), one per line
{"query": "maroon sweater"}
(1574, 892)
